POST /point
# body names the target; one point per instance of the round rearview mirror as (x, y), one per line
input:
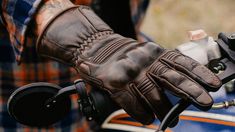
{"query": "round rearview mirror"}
(27, 105)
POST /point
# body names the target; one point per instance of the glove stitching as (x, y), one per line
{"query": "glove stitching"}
(145, 86)
(151, 77)
(154, 64)
(160, 69)
(110, 49)
(89, 41)
(140, 96)
(103, 52)
(170, 55)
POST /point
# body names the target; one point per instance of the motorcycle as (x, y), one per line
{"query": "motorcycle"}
(50, 103)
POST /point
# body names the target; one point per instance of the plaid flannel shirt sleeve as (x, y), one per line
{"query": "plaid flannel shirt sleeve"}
(17, 15)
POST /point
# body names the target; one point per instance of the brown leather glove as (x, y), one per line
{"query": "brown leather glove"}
(134, 74)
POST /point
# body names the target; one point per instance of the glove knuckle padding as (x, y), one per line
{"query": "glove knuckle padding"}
(127, 65)
(134, 74)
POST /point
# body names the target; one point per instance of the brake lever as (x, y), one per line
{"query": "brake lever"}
(229, 71)
(173, 113)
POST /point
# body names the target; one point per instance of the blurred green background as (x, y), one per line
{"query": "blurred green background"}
(168, 21)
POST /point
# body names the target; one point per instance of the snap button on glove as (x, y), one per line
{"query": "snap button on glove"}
(134, 74)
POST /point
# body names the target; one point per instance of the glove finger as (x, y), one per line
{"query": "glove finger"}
(134, 107)
(183, 86)
(156, 99)
(193, 69)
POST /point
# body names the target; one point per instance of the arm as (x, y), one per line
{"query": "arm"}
(135, 75)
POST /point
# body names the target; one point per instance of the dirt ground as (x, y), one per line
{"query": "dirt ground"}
(167, 21)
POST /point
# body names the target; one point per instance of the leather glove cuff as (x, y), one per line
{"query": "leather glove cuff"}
(79, 21)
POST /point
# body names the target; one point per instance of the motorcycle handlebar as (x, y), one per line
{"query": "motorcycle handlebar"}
(220, 55)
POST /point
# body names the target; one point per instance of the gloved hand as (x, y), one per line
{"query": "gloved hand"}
(134, 74)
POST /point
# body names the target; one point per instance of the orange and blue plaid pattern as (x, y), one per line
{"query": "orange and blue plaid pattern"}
(34, 69)
(17, 14)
